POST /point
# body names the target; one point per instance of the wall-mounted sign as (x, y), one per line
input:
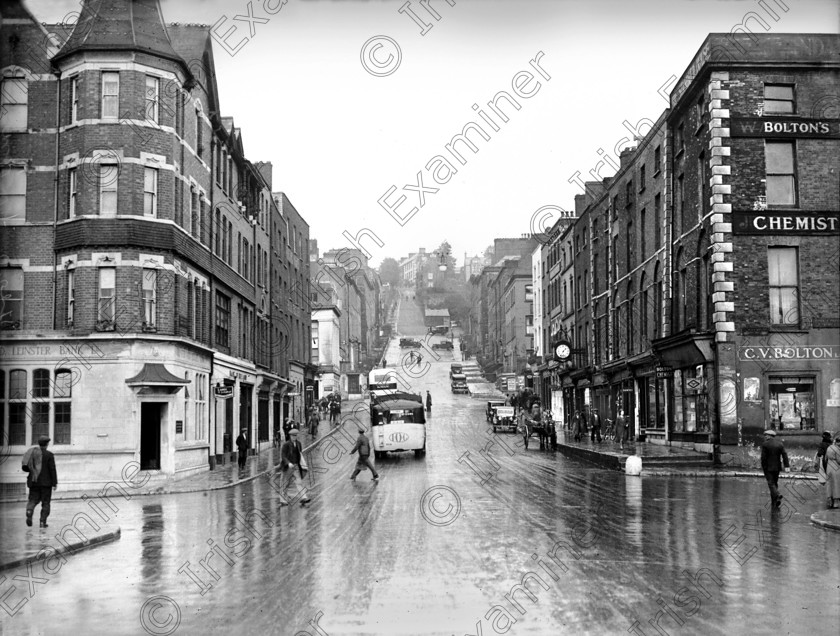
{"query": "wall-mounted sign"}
(784, 127)
(179, 426)
(223, 392)
(777, 222)
(664, 373)
(825, 352)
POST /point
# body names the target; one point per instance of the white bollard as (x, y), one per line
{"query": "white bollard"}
(633, 465)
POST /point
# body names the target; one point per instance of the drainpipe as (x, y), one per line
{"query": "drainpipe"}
(55, 195)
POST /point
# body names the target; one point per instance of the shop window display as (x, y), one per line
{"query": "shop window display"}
(792, 404)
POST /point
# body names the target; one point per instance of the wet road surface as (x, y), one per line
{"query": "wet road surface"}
(478, 537)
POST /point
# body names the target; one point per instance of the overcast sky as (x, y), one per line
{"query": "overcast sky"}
(340, 137)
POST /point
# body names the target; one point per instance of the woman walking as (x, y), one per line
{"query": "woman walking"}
(832, 472)
(620, 429)
(820, 460)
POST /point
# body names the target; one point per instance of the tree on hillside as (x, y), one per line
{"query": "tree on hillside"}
(389, 271)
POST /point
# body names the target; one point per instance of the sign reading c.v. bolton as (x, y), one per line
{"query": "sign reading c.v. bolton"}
(780, 222)
(815, 352)
(782, 127)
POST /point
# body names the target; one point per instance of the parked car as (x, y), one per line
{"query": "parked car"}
(491, 408)
(409, 343)
(446, 344)
(439, 330)
(459, 383)
(504, 418)
(454, 368)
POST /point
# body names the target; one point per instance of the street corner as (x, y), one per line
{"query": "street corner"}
(28, 546)
(828, 519)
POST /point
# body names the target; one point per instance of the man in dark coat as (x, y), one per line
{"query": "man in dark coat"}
(363, 447)
(773, 455)
(42, 479)
(291, 457)
(242, 447)
(428, 402)
(595, 426)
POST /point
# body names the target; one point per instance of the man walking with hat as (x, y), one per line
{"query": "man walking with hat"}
(242, 448)
(42, 479)
(363, 447)
(291, 457)
(773, 455)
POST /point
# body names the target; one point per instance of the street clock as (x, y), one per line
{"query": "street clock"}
(562, 351)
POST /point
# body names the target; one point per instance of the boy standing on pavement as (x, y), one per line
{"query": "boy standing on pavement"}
(363, 446)
(773, 455)
(42, 479)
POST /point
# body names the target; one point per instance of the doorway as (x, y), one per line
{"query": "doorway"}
(150, 435)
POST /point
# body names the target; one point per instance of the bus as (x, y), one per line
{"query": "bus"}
(382, 382)
(398, 423)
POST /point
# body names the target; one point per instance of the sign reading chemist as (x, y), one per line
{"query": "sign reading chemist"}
(773, 222)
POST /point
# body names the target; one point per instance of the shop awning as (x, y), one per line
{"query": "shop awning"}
(684, 350)
(154, 375)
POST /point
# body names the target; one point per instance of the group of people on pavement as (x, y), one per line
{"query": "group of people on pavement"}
(590, 420)
(774, 459)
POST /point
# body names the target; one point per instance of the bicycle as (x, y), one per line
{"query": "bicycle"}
(609, 431)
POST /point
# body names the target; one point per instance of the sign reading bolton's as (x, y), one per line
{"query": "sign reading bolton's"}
(782, 127)
(777, 222)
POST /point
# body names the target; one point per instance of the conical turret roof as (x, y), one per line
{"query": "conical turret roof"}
(127, 25)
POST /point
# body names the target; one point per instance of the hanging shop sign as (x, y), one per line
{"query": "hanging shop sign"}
(664, 373)
(223, 392)
(776, 222)
(783, 127)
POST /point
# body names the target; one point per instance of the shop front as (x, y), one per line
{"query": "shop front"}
(792, 388)
(234, 382)
(691, 357)
(652, 381)
(106, 403)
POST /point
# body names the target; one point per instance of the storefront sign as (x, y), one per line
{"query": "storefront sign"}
(766, 222)
(664, 373)
(785, 127)
(223, 391)
(693, 384)
(830, 402)
(830, 352)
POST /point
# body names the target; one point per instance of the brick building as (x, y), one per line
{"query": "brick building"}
(706, 269)
(142, 319)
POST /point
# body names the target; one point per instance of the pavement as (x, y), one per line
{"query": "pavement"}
(657, 460)
(22, 544)
(829, 519)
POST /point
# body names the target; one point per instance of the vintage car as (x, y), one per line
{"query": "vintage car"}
(504, 419)
(446, 344)
(455, 367)
(439, 330)
(409, 343)
(490, 411)
(459, 383)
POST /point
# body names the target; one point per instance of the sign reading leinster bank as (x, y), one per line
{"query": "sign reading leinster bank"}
(784, 127)
(777, 222)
